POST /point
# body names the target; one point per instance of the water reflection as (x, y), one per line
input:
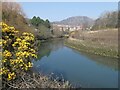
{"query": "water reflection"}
(53, 45)
(50, 46)
(79, 68)
(101, 60)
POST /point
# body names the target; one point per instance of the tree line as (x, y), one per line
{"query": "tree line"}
(106, 20)
(37, 21)
(41, 27)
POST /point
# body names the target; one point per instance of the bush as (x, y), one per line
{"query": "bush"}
(17, 52)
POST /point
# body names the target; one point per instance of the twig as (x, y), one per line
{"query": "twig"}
(25, 82)
(10, 85)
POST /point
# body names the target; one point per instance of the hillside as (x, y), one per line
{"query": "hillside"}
(76, 20)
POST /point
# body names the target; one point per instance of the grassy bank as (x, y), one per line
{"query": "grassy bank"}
(102, 43)
(85, 48)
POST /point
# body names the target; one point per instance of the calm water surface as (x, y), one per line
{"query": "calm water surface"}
(90, 71)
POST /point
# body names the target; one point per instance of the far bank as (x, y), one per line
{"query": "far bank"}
(101, 42)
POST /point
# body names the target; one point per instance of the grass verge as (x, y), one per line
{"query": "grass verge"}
(92, 47)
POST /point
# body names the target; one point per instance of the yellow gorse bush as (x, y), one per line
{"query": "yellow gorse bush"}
(17, 52)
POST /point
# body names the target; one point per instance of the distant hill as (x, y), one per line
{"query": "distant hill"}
(76, 20)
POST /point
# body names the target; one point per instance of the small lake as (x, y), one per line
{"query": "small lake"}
(86, 70)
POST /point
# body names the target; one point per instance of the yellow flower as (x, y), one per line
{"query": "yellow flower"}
(18, 39)
(29, 64)
(4, 42)
(34, 55)
(12, 61)
(11, 76)
(6, 37)
(7, 53)
(3, 70)
(26, 67)
(1, 23)
(0, 43)
(32, 50)
(12, 28)
(20, 60)
(4, 60)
